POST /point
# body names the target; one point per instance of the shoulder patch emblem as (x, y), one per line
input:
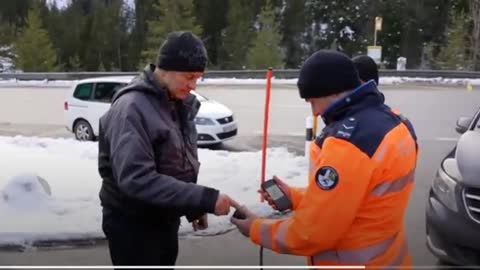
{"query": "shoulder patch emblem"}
(346, 128)
(326, 178)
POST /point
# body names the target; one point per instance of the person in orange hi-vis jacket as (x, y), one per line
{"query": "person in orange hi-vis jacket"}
(361, 176)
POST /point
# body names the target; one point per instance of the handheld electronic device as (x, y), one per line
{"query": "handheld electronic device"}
(239, 215)
(280, 199)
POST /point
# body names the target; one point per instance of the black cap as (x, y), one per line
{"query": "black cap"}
(325, 73)
(182, 51)
(366, 67)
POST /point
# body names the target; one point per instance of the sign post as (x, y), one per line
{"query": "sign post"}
(375, 52)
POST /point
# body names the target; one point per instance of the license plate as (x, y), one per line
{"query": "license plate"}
(229, 128)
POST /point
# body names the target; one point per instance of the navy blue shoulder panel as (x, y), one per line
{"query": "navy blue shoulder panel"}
(365, 129)
(409, 126)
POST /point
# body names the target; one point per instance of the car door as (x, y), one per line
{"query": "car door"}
(78, 103)
(100, 102)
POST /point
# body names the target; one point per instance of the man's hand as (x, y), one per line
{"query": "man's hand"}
(223, 204)
(243, 225)
(201, 223)
(283, 186)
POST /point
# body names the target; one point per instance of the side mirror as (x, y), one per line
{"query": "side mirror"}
(462, 124)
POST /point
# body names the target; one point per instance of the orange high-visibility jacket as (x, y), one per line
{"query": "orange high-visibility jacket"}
(360, 180)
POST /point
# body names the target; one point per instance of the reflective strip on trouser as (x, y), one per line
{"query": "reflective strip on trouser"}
(266, 236)
(393, 186)
(362, 256)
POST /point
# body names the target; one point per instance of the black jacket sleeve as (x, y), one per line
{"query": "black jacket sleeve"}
(133, 166)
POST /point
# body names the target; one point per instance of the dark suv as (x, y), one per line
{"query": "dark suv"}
(453, 207)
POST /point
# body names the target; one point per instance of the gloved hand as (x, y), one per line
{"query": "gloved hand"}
(283, 186)
(243, 225)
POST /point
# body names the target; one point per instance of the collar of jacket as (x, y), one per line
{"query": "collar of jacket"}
(366, 95)
(191, 102)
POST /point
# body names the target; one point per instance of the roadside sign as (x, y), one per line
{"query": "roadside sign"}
(375, 52)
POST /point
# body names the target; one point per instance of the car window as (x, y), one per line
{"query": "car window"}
(83, 91)
(105, 91)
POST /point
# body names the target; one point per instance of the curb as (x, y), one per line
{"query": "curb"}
(53, 244)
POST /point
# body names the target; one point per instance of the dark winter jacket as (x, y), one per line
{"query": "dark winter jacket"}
(148, 154)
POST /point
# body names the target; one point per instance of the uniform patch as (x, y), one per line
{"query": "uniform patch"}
(346, 128)
(326, 178)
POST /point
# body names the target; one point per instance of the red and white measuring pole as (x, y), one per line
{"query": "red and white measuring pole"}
(265, 124)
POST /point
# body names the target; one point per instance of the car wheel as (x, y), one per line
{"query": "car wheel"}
(83, 131)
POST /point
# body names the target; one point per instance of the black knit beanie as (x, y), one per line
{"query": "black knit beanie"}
(325, 73)
(182, 51)
(366, 67)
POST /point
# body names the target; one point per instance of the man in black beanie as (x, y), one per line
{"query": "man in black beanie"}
(148, 158)
(366, 67)
(360, 176)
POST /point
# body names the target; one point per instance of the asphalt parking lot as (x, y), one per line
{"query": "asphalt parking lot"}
(433, 110)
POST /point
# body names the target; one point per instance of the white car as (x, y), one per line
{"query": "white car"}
(89, 99)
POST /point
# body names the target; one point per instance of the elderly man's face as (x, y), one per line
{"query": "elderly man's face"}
(180, 84)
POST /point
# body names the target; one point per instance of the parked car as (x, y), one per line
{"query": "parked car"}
(89, 99)
(453, 207)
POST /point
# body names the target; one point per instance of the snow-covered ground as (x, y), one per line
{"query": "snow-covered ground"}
(72, 211)
(233, 81)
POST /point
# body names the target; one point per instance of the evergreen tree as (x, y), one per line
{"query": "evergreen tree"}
(474, 7)
(14, 13)
(453, 56)
(103, 34)
(237, 35)
(293, 29)
(138, 39)
(127, 61)
(75, 64)
(33, 47)
(67, 39)
(390, 38)
(335, 24)
(212, 24)
(6, 38)
(172, 15)
(101, 67)
(265, 51)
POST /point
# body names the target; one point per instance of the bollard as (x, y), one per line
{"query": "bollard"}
(469, 86)
(309, 136)
(318, 127)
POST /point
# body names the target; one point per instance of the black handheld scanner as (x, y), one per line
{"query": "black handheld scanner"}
(280, 199)
(239, 215)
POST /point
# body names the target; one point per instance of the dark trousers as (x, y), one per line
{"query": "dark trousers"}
(134, 241)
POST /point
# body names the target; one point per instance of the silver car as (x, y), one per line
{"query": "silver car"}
(453, 207)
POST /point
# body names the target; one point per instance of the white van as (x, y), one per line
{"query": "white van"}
(89, 99)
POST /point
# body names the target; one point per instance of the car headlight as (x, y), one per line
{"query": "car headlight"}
(444, 186)
(204, 121)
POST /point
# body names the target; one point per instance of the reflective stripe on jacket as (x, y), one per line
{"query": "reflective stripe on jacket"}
(361, 177)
